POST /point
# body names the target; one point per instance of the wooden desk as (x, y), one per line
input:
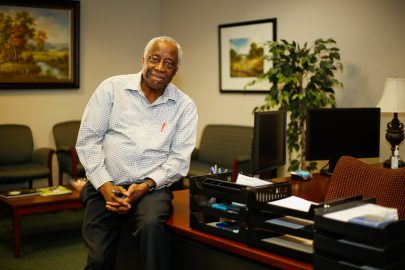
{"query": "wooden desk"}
(179, 223)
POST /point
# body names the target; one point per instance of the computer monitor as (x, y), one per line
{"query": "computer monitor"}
(335, 132)
(268, 144)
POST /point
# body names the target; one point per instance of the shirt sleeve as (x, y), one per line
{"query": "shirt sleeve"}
(178, 161)
(94, 125)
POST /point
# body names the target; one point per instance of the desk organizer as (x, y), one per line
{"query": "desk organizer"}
(214, 199)
(346, 245)
(284, 230)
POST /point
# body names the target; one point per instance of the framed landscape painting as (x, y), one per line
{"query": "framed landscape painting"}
(39, 44)
(242, 54)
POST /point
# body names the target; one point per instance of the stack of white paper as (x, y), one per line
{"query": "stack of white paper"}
(388, 214)
(251, 181)
(295, 203)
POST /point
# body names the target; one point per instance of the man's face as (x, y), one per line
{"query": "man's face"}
(160, 65)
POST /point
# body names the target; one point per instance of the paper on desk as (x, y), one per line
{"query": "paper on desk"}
(292, 242)
(366, 209)
(251, 181)
(294, 202)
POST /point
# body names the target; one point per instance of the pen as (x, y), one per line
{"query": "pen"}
(118, 193)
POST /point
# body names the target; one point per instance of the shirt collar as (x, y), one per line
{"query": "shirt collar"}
(169, 93)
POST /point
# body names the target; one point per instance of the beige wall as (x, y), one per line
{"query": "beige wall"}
(368, 32)
(112, 38)
(113, 34)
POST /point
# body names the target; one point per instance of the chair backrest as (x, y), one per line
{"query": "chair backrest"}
(222, 143)
(354, 177)
(65, 133)
(16, 144)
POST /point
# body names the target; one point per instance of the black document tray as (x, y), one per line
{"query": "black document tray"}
(324, 262)
(219, 187)
(354, 245)
(258, 220)
(200, 205)
(259, 228)
(200, 221)
(365, 234)
(301, 214)
(208, 189)
(256, 239)
(362, 253)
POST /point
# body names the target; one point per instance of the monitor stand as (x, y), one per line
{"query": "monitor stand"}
(268, 175)
(330, 167)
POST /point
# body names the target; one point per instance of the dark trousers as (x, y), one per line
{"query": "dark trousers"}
(147, 217)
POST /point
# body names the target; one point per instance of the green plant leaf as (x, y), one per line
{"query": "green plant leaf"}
(301, 77)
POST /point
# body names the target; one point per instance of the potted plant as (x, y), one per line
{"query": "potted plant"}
(301, 77)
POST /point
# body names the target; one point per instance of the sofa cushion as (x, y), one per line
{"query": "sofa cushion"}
(227, 146)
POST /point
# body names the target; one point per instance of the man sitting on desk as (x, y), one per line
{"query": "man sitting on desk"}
(135, 140)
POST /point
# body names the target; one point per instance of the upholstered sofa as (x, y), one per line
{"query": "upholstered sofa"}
(227, 146)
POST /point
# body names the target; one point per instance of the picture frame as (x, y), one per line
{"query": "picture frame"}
(241, 51)
(39, 44)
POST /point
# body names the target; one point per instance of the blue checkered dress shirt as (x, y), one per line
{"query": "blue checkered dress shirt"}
(123, 137)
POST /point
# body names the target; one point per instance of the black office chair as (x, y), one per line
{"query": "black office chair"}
(19, 161)
(65, 135)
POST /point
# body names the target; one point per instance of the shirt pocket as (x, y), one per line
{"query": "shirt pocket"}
(158, 138)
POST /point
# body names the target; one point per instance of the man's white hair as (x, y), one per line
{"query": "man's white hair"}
(164, 38)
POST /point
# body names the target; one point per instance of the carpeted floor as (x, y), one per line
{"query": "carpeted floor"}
(48, 241)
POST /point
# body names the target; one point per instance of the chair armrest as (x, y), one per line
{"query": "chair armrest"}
(66, 149)
(44, 156)
(243, 159)
(241, 163)
(71, 151)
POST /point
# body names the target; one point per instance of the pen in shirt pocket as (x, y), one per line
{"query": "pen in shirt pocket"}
(163, 126)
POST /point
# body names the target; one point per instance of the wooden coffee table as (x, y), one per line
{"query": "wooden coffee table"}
(36, 204)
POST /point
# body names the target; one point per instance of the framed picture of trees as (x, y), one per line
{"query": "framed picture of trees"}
(39, 44)
(242, 55)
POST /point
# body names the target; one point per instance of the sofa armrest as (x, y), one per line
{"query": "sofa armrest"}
(194, 154)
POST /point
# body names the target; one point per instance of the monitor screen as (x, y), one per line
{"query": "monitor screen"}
(268, 146)
(335, 132)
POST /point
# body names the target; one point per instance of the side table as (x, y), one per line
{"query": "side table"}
(36, 204)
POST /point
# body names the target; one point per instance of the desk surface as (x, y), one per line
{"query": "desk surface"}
(313, 190)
